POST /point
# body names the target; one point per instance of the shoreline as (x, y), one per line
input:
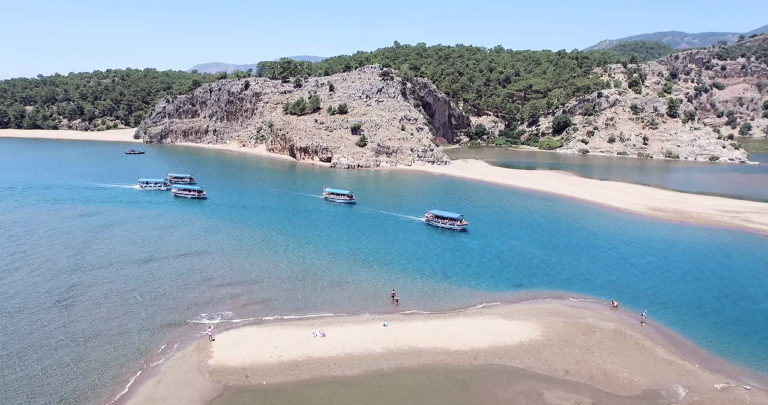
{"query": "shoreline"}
(647, 201)
(576, 339)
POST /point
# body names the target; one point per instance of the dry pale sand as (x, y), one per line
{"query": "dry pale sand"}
(258, 150)
(644, 200)
(269, 344)
(575, 341)
(112, 135)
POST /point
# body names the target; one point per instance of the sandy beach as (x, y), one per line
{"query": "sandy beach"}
(579, 342)
(112, 135)
(635, 198)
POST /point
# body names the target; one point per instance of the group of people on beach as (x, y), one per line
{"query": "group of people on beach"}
(394, 297)
(615, 305)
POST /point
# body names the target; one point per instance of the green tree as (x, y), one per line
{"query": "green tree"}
(560, 123)
(342, 109)
(356, 128)
(673, 107)
(745, 129)
(362, 141)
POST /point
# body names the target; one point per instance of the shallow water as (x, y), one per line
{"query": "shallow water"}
(745, 181)
(99, 278)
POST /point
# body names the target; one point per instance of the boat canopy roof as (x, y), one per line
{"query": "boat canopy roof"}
(151, 180)
(179, 175)
(446, 214)
(337, 191)
(186, 187)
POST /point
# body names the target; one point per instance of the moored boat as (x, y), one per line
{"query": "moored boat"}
(134, 151)
(177, 178)
(186, 191)
(445, 219)
(338, 195)
(154, 184)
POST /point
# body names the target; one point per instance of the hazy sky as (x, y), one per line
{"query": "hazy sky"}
(78, 35)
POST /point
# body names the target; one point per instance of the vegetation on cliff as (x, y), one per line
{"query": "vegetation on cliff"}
(89, 101)
(515, 86)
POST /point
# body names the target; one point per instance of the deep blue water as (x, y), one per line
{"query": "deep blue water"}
(739, 180)
(98, 276)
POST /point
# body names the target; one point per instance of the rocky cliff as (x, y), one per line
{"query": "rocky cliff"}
(399, 119)
(721, 92)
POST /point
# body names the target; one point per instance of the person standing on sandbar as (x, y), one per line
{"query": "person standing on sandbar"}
(209, 332)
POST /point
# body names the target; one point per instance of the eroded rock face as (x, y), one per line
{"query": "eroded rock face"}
(396, 118)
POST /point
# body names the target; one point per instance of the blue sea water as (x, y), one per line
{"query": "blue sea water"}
(99, 278)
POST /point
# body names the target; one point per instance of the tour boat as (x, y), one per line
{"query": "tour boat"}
(176, 178)
(181, 190)
(445, 219)
(134, 152)
(339, 196)
(154, 184)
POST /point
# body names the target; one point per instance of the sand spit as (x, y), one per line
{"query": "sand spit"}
(580, 342)
(635, 198)
(112, 135)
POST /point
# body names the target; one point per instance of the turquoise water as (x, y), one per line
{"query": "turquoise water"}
(739, 180)
(99, 279)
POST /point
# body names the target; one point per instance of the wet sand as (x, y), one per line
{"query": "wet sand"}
(567, 349)
(451, 385)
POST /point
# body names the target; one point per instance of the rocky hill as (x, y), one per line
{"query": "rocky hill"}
(387, 121)
(689, 105)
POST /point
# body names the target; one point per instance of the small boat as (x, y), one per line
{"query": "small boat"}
(445, 219)
(186, 191)
(134, 151)
(176, 178)
(154, 184)
(338, 195)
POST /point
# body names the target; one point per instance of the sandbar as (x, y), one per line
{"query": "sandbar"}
(580, 342)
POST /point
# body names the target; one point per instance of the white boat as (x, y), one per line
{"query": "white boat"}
(338, 195)
(177, 178)
(154, 184)
(446, 220)
(187, 191)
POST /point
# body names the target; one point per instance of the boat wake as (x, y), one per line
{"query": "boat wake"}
(124, 186)
(299, 193)
(395, 214)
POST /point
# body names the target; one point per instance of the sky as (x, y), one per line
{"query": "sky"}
(45, 37)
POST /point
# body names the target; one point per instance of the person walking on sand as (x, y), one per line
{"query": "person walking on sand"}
(643, 317)
(209, 332)
(392, 295)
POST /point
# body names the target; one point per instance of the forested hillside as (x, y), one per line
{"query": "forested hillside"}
(90, 101)
(513, 85)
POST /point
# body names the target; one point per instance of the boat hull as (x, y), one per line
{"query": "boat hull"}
(154, 188)
(445, 226)
(194, 197)
(340, 201)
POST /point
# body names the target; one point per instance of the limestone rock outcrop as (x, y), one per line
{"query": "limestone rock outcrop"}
(400, 119)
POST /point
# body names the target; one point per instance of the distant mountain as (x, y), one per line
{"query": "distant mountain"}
(217, 67)
(678, 39)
